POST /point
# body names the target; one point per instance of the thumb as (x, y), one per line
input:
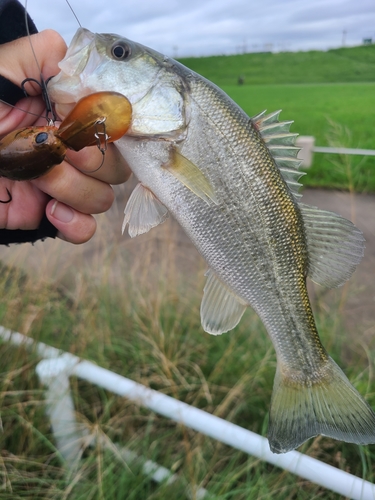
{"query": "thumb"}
(73, 226)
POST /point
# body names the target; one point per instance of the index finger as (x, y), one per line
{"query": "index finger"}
(17, 59)
(18, 62)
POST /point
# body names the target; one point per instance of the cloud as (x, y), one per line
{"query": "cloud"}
(215, 26)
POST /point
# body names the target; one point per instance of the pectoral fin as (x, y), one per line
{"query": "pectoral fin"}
(143, 211)
(221, 309)
(190, 176)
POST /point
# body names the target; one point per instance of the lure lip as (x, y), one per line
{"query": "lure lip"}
(108, 113)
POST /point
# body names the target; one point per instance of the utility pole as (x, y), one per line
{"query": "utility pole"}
(344, 37)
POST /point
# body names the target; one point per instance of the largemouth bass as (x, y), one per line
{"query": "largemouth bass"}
(232, 184)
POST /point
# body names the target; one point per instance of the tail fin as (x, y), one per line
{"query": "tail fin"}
(331, 407)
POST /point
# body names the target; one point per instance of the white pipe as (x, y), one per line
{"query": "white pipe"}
(71, 436)
(68, 434)
(15, 338)
(157, 472)
(309, 468)
(344, 151)
(242, 439)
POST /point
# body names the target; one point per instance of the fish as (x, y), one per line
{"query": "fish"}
(232, 183)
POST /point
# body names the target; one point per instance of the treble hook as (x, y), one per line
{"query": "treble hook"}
(102, 139)
(10, 197)
(101, 135)
(50, 114)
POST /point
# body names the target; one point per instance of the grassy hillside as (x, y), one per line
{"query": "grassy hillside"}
(329, 95)
(335, 114)
(354, 64)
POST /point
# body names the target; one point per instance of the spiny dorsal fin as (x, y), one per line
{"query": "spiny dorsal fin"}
(285, 139)
(280, 143)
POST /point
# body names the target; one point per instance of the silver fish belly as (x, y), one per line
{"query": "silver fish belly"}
(232, 184)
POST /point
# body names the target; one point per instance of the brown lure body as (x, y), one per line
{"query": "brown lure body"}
(30, 152)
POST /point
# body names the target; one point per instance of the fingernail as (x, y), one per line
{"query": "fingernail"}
(62, 212)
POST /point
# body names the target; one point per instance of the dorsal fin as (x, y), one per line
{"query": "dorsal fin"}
(280, 143)
(335, 246)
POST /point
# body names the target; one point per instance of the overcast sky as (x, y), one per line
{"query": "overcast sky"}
(205, 27)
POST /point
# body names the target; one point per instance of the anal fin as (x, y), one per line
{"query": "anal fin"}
(143, 211)
(221, 309)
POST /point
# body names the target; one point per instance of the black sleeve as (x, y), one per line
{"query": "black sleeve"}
(12, 21)
(45, 230)
(12, 26)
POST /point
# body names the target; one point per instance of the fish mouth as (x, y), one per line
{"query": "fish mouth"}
(81, 58)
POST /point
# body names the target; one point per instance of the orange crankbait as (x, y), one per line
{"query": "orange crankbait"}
(30, 152)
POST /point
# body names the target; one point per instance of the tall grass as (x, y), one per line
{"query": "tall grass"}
(132, 306)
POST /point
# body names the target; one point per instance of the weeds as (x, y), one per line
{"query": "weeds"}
(133, 307)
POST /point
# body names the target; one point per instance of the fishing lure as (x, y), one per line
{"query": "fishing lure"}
(98, 118)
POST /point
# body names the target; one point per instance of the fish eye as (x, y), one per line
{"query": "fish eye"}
(121, 51)
(41, 137)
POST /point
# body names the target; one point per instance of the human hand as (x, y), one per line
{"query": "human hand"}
(75, 194)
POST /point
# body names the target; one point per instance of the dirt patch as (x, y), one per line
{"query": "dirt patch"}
(356, 299)
(167, 251)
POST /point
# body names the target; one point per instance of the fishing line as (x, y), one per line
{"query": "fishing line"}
(100, 135)
(50, 114)
(74, 14)
(20, 109)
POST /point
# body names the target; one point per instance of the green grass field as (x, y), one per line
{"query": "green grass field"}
(329, 95)
(354, 64)
(336, 114)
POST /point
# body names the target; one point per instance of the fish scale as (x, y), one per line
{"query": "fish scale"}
(232, 184)
(251, 182)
